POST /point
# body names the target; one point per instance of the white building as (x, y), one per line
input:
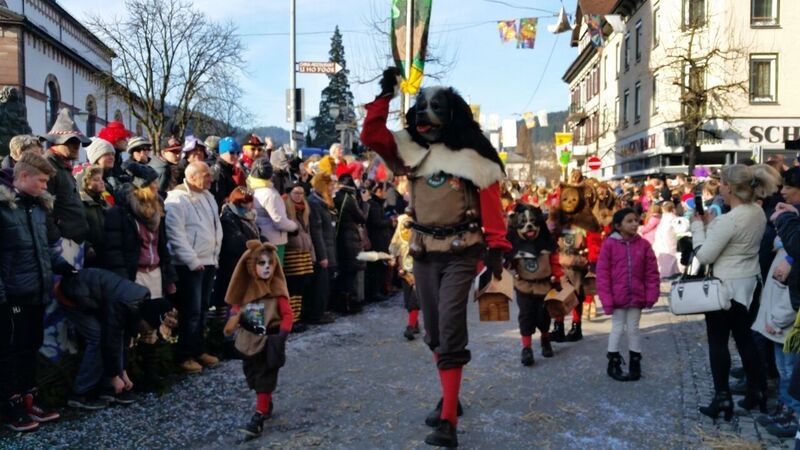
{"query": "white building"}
(626, 99)
(52, 58)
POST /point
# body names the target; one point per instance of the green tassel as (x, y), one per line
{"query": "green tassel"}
(792, 342)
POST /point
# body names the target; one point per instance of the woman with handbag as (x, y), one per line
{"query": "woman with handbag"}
(730, 244)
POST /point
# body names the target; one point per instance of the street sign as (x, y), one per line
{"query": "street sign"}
(298, 135)
(327, 67)
(594, 163)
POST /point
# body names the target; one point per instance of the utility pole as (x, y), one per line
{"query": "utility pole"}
(292, 75)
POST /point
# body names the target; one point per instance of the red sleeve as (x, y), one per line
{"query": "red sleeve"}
(287, 318)
(493, 218)
(555, 266)
(594, 240)
(376, 136)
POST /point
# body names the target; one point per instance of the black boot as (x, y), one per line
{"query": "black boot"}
(754, 398)
(151, 381)
(443, 436)
(557, 335)
(433, 417)
(575, 333)
(615, 366)
(354, 306)
(635, 366)
(527, 356)
(722, 402)
(547, 349)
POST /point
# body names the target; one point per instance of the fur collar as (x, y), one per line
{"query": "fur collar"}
(9, 196)
(465, 163)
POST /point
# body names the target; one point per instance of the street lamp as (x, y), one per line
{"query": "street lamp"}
(344, 116)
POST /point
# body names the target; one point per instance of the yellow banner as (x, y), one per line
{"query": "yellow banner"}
(563, 138)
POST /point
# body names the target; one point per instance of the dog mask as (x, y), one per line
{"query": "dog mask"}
(527, 222)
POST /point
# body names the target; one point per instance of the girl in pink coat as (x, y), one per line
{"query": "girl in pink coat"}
(627, 282)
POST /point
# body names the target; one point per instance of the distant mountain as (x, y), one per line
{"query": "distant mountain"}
(544, 135)
(279, 135)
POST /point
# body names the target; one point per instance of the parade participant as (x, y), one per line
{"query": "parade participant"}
(405, 269)
(530, 259)
(260, 310)
(455, 177)
(627, 282)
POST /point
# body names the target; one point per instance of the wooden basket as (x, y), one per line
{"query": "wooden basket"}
(559, 303)
(590, 284)
(493, 307)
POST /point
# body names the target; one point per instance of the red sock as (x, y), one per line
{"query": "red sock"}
(576, 317)
(451, 384)
(588, 299)
(263, 399)
(413, 317)
(526, 341)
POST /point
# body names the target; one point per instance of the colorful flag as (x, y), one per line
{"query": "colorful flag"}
(509, 133)
(542, 116)
(563, 148)
(530, 120)
(476, 112)
(508, 30)
(595, 29)
(527, 33)
(419, 41)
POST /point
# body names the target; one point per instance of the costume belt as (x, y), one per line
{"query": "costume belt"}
(444, 232)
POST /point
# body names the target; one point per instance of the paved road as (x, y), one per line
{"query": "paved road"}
(358, 384)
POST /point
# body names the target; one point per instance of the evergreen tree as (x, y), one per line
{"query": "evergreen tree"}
(337, 93)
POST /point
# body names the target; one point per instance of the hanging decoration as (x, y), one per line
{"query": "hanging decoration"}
(508, 30)
(530, 120)
(563, 23)
(595, 29)
(419, 41)
(526, 36)
(542, 116)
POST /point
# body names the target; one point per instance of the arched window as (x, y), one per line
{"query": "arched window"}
(118, 116)
(53, 100)
(139, 129)
(91, 120)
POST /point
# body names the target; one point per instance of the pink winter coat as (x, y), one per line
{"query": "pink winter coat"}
(627, 274)
(648, 230)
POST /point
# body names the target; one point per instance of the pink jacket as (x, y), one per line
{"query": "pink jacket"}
(648, 230)
(627, 274)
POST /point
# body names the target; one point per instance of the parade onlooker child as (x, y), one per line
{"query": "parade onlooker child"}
(627, 282)
(651, 221)
(260, 308)
(27, 264)
(405, 263)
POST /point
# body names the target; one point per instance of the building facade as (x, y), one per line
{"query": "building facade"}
(629, 97)
(53, 60)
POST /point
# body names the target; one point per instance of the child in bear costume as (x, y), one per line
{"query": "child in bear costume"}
(454, 175)
(260, 309)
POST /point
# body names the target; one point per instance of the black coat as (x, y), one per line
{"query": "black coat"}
(95, 216)
(352, 215)
(379, 227)
(69, 218)
(223, 183)
(323, 233)
(788, 225)
(167, 175)
(235, 234)
(26, 259)
(123, 245)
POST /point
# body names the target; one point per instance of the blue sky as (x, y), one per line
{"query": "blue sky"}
(499, 77)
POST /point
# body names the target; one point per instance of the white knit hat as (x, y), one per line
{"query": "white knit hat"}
(98, 148)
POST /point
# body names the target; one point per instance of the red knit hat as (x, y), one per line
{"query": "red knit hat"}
(113, 132)
(685, 197)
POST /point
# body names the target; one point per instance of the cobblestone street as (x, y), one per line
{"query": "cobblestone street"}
(359, 384)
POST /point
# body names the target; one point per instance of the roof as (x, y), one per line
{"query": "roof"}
(601, 7)
(77, 24)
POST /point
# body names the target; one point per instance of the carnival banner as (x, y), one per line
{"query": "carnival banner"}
(563, 148)
(419, 40)
(542, 116)
(530, 120)
(595, 29)
(508, 30)
(526, 36)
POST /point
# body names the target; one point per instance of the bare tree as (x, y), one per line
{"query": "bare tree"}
(705, 63)
(222, 112)
(171, 61)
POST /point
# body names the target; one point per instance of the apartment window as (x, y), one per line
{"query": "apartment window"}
(763, 78)
(694, 91)
(625, 108)
(638, 41)
(637, 102)
(619, 59)
(53, 100)
(654, 97)
(616, 112)
(627, 51)
(694, 13)
(605, 72)
(764, 12)
(91, 120)
(656, 16)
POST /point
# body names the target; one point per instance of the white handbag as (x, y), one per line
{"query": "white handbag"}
(698, 294)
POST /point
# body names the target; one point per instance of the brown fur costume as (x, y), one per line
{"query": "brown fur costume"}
(606, 204)
(573, 208)
(246, 287)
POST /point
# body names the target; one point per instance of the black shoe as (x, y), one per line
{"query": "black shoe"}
(557, 335)
(739, 388)
(635, 367)
(753, 399)
(722, 402)
(416, 329)
(434, 417)
(255, 426)
(575, 333)
(443, 436)
(738, 373)
(87, 402)
(527, 356)
(123, 398)
(325, 319)
(614, 369)
(778, 415)
(547, 348)
(409, 333)
(784, 429)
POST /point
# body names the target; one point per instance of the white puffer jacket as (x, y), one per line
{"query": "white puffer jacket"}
(194, 230)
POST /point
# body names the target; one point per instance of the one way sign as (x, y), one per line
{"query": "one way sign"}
(327, 67)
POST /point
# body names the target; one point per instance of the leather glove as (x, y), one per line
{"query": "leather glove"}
(494, 262)
(389, 81)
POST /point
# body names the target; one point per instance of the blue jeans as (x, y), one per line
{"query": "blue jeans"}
(194, 299)
(785, 363)
(90, 372)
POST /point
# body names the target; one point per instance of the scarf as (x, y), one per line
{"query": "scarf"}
(257, 183)
(299, 212)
